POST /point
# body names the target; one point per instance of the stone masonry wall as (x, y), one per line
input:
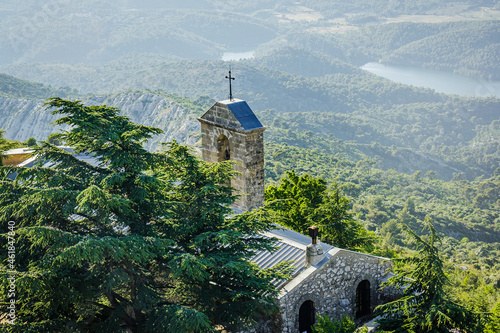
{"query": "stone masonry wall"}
(221, 115)
(254, 169)
(237, 145)
(332, 287)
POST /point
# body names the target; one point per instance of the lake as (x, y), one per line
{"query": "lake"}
(440, 81)
(230, 56)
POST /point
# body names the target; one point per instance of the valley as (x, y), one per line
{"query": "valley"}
(399, 152)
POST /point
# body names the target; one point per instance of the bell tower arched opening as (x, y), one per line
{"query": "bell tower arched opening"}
(223, 149)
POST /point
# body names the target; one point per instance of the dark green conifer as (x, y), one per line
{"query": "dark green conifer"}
(140, 241)
(299, 202)
(425, 305)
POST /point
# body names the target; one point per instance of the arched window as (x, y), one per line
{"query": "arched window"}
(306, 316)
(223, 150)
(363, 299)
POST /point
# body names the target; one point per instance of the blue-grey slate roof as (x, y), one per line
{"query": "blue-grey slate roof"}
(244, 114)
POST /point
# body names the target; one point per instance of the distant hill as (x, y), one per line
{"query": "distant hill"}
(13, 87)
(300, 61)
(100, 32)
(415, 129)
(467, 47)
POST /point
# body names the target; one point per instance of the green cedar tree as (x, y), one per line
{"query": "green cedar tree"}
(337, 225)
(140, 241)
(299, 202)
(425, 305)
(326, 324)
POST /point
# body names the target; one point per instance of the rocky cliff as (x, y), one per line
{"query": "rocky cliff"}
(22, 119)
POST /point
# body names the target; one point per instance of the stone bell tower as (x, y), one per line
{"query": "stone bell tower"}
(231, 131)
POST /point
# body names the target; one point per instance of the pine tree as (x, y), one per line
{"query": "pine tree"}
(424, 305)
(295, 198)
(140, 241)
(337, 225)
(326, 324)
(493, 324)
(302, 201)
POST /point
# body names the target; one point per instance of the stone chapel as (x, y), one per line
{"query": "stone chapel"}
(326, 279)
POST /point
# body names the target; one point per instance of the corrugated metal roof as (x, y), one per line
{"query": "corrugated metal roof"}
(291, 246)
(243, 113)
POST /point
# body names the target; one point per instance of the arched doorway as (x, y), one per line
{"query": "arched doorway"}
(223, 150)
(363, 299)
(306, 316)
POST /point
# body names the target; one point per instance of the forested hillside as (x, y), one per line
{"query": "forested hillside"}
(470, 49)
(404, 128)
(12, 87)
(399, 153)
(100, 32)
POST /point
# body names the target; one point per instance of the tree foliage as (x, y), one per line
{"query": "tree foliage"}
(344, 325)
(337, 225)
(296, 198)
(137, 241)
(494, 324)
(299, 202)
(424, 305)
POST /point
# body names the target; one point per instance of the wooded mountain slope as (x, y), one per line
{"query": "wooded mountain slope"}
(452, 134)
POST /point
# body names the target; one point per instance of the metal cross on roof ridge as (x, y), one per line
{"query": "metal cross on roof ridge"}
(230, 87)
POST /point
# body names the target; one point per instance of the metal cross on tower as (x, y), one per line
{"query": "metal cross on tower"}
(230, 87)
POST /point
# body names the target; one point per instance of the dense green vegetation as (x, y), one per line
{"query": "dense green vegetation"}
(470, 48)
(301, 201)
(456, 134)
(331, 325)
(12, 87)
(140, 242)
(451, 139)
(425, 305)
(467, 48)
(470, 207)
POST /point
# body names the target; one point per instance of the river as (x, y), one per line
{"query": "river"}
(440, 81)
